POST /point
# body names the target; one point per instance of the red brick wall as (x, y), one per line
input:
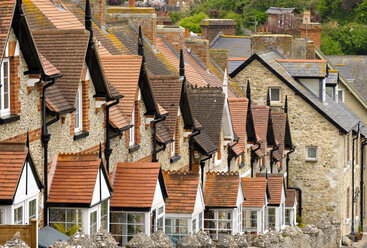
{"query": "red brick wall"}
(15, 107)
(86, 105)
(200, 48)
(177, 136)
(174, 36)
(33, 136)
(72, 124)
(137, 122)
(211, 27)
(313, 32)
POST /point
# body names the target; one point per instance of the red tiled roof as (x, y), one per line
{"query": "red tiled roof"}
(260, 115)
(12, 158)
(6, 16)
(191, 74)
(49, 68)
(238, 109)
(123, 72)
(255, 191)
(182, 190)
(275, 188)
(291, 198)
(134, 184)
(74, 179)
(221, 189)
(279, 123)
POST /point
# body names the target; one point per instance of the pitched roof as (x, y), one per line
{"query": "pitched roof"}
(279, 120)
(280, 11)
(123, 72)
(66, 50)
(182, 190)
(238, 46)
(221, 189)
(207, 107)
(74, 179)
(167, 92)
(255, 190)
(291, 198)
(276, 185)
(6, 16)
(260, 115)
(12, 159)
(304, 67)
(134, 184)
(337, 113)
(238, 108)
(234, 63)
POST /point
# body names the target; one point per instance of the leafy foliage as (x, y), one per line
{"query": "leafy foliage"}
(193, 22)
(69, 232)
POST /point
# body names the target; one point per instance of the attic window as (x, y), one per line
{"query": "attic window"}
(274, 94)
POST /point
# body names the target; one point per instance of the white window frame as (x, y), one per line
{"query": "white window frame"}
(83, 213)
(25, 212)
(2, 215)
(280, 94)
(343, 95)
(217, 230)
(158, 216)
(17, 206)
(178, 227)
(311, 158)
(90, 221)
(78, 126)
(173, 148)
(4, 111)
(132, 128)
(250, 229)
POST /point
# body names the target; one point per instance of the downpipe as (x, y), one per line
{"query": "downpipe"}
(295, 188)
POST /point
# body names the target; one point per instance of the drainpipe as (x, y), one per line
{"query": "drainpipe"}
(191, 147)
(202, 165)
(155, 151)
(276, 147)
(353, 196)
(362, 180)
(108, 150)
(295, 188)
(253, 157)
(45, 138)
(230, 156)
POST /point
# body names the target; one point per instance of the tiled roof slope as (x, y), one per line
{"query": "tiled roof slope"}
(255, 191)
(304, 67)
(12, 158)
(74, 179)
(129, 38)
(182, 190)
(291, 198)
(260, 115)
(276, 184)
(221, 189)
(337, 113)
(234, 63)
(279, 120)
(65, 49)
(6, 16)
(207, 106)
(238, 46)
(134, 184)
(238, 109)
(280, 11)
(36, 19)
(123, 72)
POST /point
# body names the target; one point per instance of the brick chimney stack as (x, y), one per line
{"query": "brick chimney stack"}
(131, 3)
(211, 27)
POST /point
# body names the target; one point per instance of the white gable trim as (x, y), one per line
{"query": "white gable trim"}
(158, 199)
(199, 202)
(101, 191)
(27, 185)
(240, 196)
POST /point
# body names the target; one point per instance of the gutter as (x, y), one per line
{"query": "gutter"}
(295, 188)
(353, 196)
(230, 155)
(276, 147)
(155, 151)
(253, 157)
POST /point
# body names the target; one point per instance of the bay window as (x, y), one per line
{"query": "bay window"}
(201, 221)
(218, 222)
(271, 218)
(156, 219)
(23, 212)
(288, 213)
(176, 228)
(93, 222)
(67, 218)
(32, 209)
(249, 221)
(18, 216)
(78, 110)
(104, 215)
(5, 88)
(125, 225)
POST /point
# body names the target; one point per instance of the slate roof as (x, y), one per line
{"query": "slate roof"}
(221, 189)
(337, 113)
(279, 120)
(255, 190)
(234, 63)
(47, 236)
(123, 72)
(134, 184)
(291, 198)
(167, 92)
(238, 109)
(182, 189)
(260, 115)
(12, 159)
(304, 67)
(74, 179)
(207, 107)
(6, 16)
(238, 46)
(280, 11)
(66, 50)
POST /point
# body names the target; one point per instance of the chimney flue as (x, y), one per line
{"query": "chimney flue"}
(131, 3)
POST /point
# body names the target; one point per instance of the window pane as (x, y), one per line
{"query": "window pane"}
(93, 222)
(32, 209)
(18, 216)
(6, 85)
(311, 152)
(340, 95)
(67, 218)
(274, 94)
(2, 216)
(104, 215)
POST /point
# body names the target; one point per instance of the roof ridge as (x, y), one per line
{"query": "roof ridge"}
(223, 173)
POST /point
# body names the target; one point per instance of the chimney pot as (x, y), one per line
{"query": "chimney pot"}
(131, 3)
(160, 13)
(166, 13)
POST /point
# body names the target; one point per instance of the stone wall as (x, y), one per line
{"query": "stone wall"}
(281, 42)
(322, 180)
(173, 34)
(210, 28)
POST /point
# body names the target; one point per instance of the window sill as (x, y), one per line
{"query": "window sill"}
(311, 160)
(134, 148)
(175, 158)
(81, 134)
(9, 118)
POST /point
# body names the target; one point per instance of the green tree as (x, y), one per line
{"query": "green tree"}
(193, 22)
(330, 46)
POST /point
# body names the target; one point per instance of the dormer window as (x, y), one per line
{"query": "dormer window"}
(132, 129)
(78, 110)
(274, 94)
(5, 88)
